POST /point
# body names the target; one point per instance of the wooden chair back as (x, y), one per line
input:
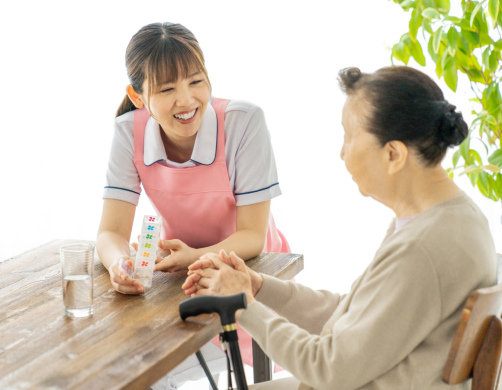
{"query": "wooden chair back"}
(476, 350)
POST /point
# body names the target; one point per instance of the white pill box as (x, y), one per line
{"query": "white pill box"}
(147, 249)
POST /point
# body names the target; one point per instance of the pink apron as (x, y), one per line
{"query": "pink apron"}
(197, 204)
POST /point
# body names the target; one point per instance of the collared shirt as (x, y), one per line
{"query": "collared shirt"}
(248, 153)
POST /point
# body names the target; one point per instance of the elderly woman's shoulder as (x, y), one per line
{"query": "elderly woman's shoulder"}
(454, 217)
(454, 223)
(456, 239)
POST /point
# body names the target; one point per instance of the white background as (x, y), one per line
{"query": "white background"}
(63, 77)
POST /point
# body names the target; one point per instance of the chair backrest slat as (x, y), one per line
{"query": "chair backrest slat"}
(487, 366)
(481, 306)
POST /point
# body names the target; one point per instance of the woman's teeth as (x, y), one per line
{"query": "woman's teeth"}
(186, 116)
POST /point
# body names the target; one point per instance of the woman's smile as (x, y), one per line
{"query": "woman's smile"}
(186, 116)
(179, 106)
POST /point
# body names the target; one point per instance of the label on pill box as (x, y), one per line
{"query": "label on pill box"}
(147, 249)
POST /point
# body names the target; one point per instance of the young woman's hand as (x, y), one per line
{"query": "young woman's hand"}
(123, 283)
(220, 275)
(179, 257)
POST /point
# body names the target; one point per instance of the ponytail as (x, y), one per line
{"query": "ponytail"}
(125, 106)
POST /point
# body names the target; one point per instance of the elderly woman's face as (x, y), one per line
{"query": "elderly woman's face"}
(361, 151)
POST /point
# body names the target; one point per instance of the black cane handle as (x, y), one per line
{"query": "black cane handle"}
(224, 306)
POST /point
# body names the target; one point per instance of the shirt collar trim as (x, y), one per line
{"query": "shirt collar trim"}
(206, 141)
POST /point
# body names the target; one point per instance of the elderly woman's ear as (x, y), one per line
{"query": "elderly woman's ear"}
(396, 155)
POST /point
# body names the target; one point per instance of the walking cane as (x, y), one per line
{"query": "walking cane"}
(226, 308)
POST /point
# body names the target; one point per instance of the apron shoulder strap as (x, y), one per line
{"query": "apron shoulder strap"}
(141, 116)
(220, 105)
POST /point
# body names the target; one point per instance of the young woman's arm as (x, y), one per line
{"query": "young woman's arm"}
(113, 243)
(247, 242)
(251, 231)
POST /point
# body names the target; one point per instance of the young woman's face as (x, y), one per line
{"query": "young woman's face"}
(179, 106)
(361, 150)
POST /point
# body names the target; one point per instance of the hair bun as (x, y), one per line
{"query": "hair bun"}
(452, 129)
(348, 78)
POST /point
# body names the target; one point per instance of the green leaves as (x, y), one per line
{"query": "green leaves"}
(443, 6)
(486, 56)
(492, 168)
(415, 23)
(483, 185)
(496, 184)
(471, 37)
(452, 37)
(407, 4)
(463, 45)
(474, 13)
(493, 10)
(401, 52)
(406, 48)
(466, 46)
(452, 19)
(493, 60)
(464, 148)
(436, 39)
(455, 158)
(417, 53)
(450, 73)
(496, 158)
(430, 13)
(475, 156)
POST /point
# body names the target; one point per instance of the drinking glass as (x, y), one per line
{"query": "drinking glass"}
(77, 262)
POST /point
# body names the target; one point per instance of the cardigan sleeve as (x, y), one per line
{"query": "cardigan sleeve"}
(301, 305)
(396, 305)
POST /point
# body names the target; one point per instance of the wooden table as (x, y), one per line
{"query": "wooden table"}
(129, 342)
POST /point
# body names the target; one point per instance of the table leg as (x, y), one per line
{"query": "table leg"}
(262, 365)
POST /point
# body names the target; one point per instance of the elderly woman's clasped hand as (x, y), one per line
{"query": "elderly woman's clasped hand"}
(222, 274)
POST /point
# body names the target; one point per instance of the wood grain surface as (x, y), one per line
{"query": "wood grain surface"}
(481, 305)
(128, 343)
(486, 372)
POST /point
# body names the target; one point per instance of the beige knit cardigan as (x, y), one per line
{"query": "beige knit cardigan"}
(394, 328)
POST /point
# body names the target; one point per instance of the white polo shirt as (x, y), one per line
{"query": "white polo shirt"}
(248, 153)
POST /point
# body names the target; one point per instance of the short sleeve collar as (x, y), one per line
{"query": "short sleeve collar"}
(204, 151)
(153, 146)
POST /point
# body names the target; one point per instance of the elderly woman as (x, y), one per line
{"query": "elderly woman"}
(394, 328)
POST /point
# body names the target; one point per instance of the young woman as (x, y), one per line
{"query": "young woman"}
(206, 164)
(393, 330)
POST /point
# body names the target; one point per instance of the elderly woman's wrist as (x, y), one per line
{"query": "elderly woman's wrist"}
(256, 282)
(250, 299)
